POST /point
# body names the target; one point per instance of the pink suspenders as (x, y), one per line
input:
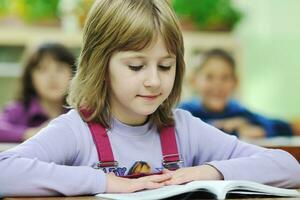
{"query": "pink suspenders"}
(101, 140)
(170, 153)
(170, 160)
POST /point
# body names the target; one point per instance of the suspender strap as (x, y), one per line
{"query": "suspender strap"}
(105, 154)
(101, 140)
(169, 148)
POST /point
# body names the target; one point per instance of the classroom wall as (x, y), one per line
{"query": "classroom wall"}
(269, 36)
(270, 72)
(8, 87)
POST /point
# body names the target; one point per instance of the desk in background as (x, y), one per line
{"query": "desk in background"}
(289, 144)
(6, 146)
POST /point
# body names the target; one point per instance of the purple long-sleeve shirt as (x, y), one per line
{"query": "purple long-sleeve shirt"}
(60, 159)
(15, 119)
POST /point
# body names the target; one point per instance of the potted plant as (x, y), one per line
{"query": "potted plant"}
(207, 15)
(41, 12)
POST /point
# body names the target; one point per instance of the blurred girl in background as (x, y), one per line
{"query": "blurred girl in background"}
(41, 95)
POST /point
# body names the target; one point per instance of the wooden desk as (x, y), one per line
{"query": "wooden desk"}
(98, 198)
(289, 144)
(56, 198)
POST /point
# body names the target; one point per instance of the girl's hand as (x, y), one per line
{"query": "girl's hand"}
(184, 175)
(117, 184)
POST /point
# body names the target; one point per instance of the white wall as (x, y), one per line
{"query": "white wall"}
(270, 37)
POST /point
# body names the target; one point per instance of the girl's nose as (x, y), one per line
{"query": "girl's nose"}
(152, 78)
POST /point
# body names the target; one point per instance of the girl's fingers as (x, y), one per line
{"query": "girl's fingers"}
(153, 185)
(178, 180)
(180, 176)
(166, 171)
(137, 186)
(157, 178)
(150, 182)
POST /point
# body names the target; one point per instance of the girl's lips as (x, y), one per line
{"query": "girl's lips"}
(149, 96)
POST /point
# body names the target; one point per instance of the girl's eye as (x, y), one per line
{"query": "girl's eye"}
(135, 68)
(165, 67)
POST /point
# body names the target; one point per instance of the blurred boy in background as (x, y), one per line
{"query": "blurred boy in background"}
(215, 81)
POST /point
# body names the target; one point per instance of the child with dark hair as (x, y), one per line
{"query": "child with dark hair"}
(215, 81)
(41, 95)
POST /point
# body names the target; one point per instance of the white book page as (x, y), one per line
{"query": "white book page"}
(159, 193)
(262, 189)
(215, 187)
(219, 188)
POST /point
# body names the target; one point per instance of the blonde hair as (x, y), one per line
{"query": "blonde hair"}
(122, 25)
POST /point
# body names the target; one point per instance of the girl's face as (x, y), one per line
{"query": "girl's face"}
(215, 83)
(51, 78)
(140, 81)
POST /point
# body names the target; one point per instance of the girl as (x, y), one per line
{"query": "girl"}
(215, 80)
(43, 85)
(129, 76)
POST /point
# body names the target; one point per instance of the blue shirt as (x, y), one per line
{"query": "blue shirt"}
(272, 127)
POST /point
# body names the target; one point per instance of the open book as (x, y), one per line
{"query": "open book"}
(218, 188)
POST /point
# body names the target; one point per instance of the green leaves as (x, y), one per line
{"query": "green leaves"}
(212, 15)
